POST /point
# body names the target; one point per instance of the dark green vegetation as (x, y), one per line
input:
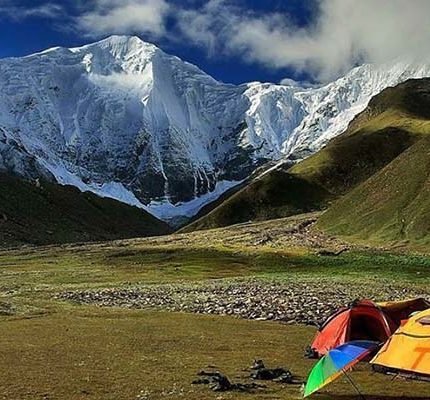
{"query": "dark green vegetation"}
(393, 205)
(56, 349)
(58, 214)
(364, 167)
(275, 195)
(214, 204)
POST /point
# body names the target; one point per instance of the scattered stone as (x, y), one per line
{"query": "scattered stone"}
(281, 375)
(6, 309)
(292, 302)
(287, 378)
(306, 224)
(263, 240)
(311, 353)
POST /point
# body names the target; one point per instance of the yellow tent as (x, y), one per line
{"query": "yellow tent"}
(408, 349)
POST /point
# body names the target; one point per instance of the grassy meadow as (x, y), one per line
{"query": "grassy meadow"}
(52, 349)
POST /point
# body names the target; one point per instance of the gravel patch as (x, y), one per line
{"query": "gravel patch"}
(304, 302)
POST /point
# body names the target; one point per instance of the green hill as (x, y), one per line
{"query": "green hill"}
(391, 206)
(275, 195)
(58, 214)
(394, 120)
(394, 204)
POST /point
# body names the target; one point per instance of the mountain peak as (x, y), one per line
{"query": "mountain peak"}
(123, 40)
(120, 45)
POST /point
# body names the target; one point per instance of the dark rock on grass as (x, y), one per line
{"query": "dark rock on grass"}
(267, 374)
(281, 375)
(287, 378)
(331, 253)
(310, 353)
(257, 364)
(218, 382)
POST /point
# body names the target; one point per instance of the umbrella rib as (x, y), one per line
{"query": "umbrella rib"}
(353, 385)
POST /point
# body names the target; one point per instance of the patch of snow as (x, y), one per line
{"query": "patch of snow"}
(112, 190)
(168, 211)
(161, 209)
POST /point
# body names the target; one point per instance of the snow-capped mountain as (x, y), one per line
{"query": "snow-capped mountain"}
(125, 120)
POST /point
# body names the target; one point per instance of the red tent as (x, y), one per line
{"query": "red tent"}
(364, 320)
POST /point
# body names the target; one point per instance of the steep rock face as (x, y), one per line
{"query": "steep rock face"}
(125, 120)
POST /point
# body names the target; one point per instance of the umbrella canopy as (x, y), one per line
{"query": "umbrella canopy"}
(336, 362)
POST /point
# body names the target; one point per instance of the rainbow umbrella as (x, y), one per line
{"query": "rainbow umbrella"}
(336, 362)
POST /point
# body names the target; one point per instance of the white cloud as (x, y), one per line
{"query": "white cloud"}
(206, 26)
(125, 16)
(20, 12)
(344, 32)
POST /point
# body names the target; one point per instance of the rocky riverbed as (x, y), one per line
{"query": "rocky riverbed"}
(306, 302)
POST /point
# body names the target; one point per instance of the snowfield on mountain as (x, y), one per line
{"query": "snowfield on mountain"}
(125, 120)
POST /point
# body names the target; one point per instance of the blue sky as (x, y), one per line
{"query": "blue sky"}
(234, 40)
(22, 36)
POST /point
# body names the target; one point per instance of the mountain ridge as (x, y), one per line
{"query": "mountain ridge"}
(394, 121)
(125, 120)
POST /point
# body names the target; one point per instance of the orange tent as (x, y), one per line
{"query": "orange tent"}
(363, 320)
(408, 350)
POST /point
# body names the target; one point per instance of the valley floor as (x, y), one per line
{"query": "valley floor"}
(88, 321)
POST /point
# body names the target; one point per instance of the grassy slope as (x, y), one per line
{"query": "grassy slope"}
(55, 349)
(393, 205)
(394, 121)
(353, 157)
(214, 204)
(58, 214)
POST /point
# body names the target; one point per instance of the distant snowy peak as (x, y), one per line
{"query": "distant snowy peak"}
(126, 120)
(330, 108)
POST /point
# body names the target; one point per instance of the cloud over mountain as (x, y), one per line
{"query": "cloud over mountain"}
(338, 34)
(125, 16)
(341, 34)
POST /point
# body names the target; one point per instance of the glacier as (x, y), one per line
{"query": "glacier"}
(123, 119)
